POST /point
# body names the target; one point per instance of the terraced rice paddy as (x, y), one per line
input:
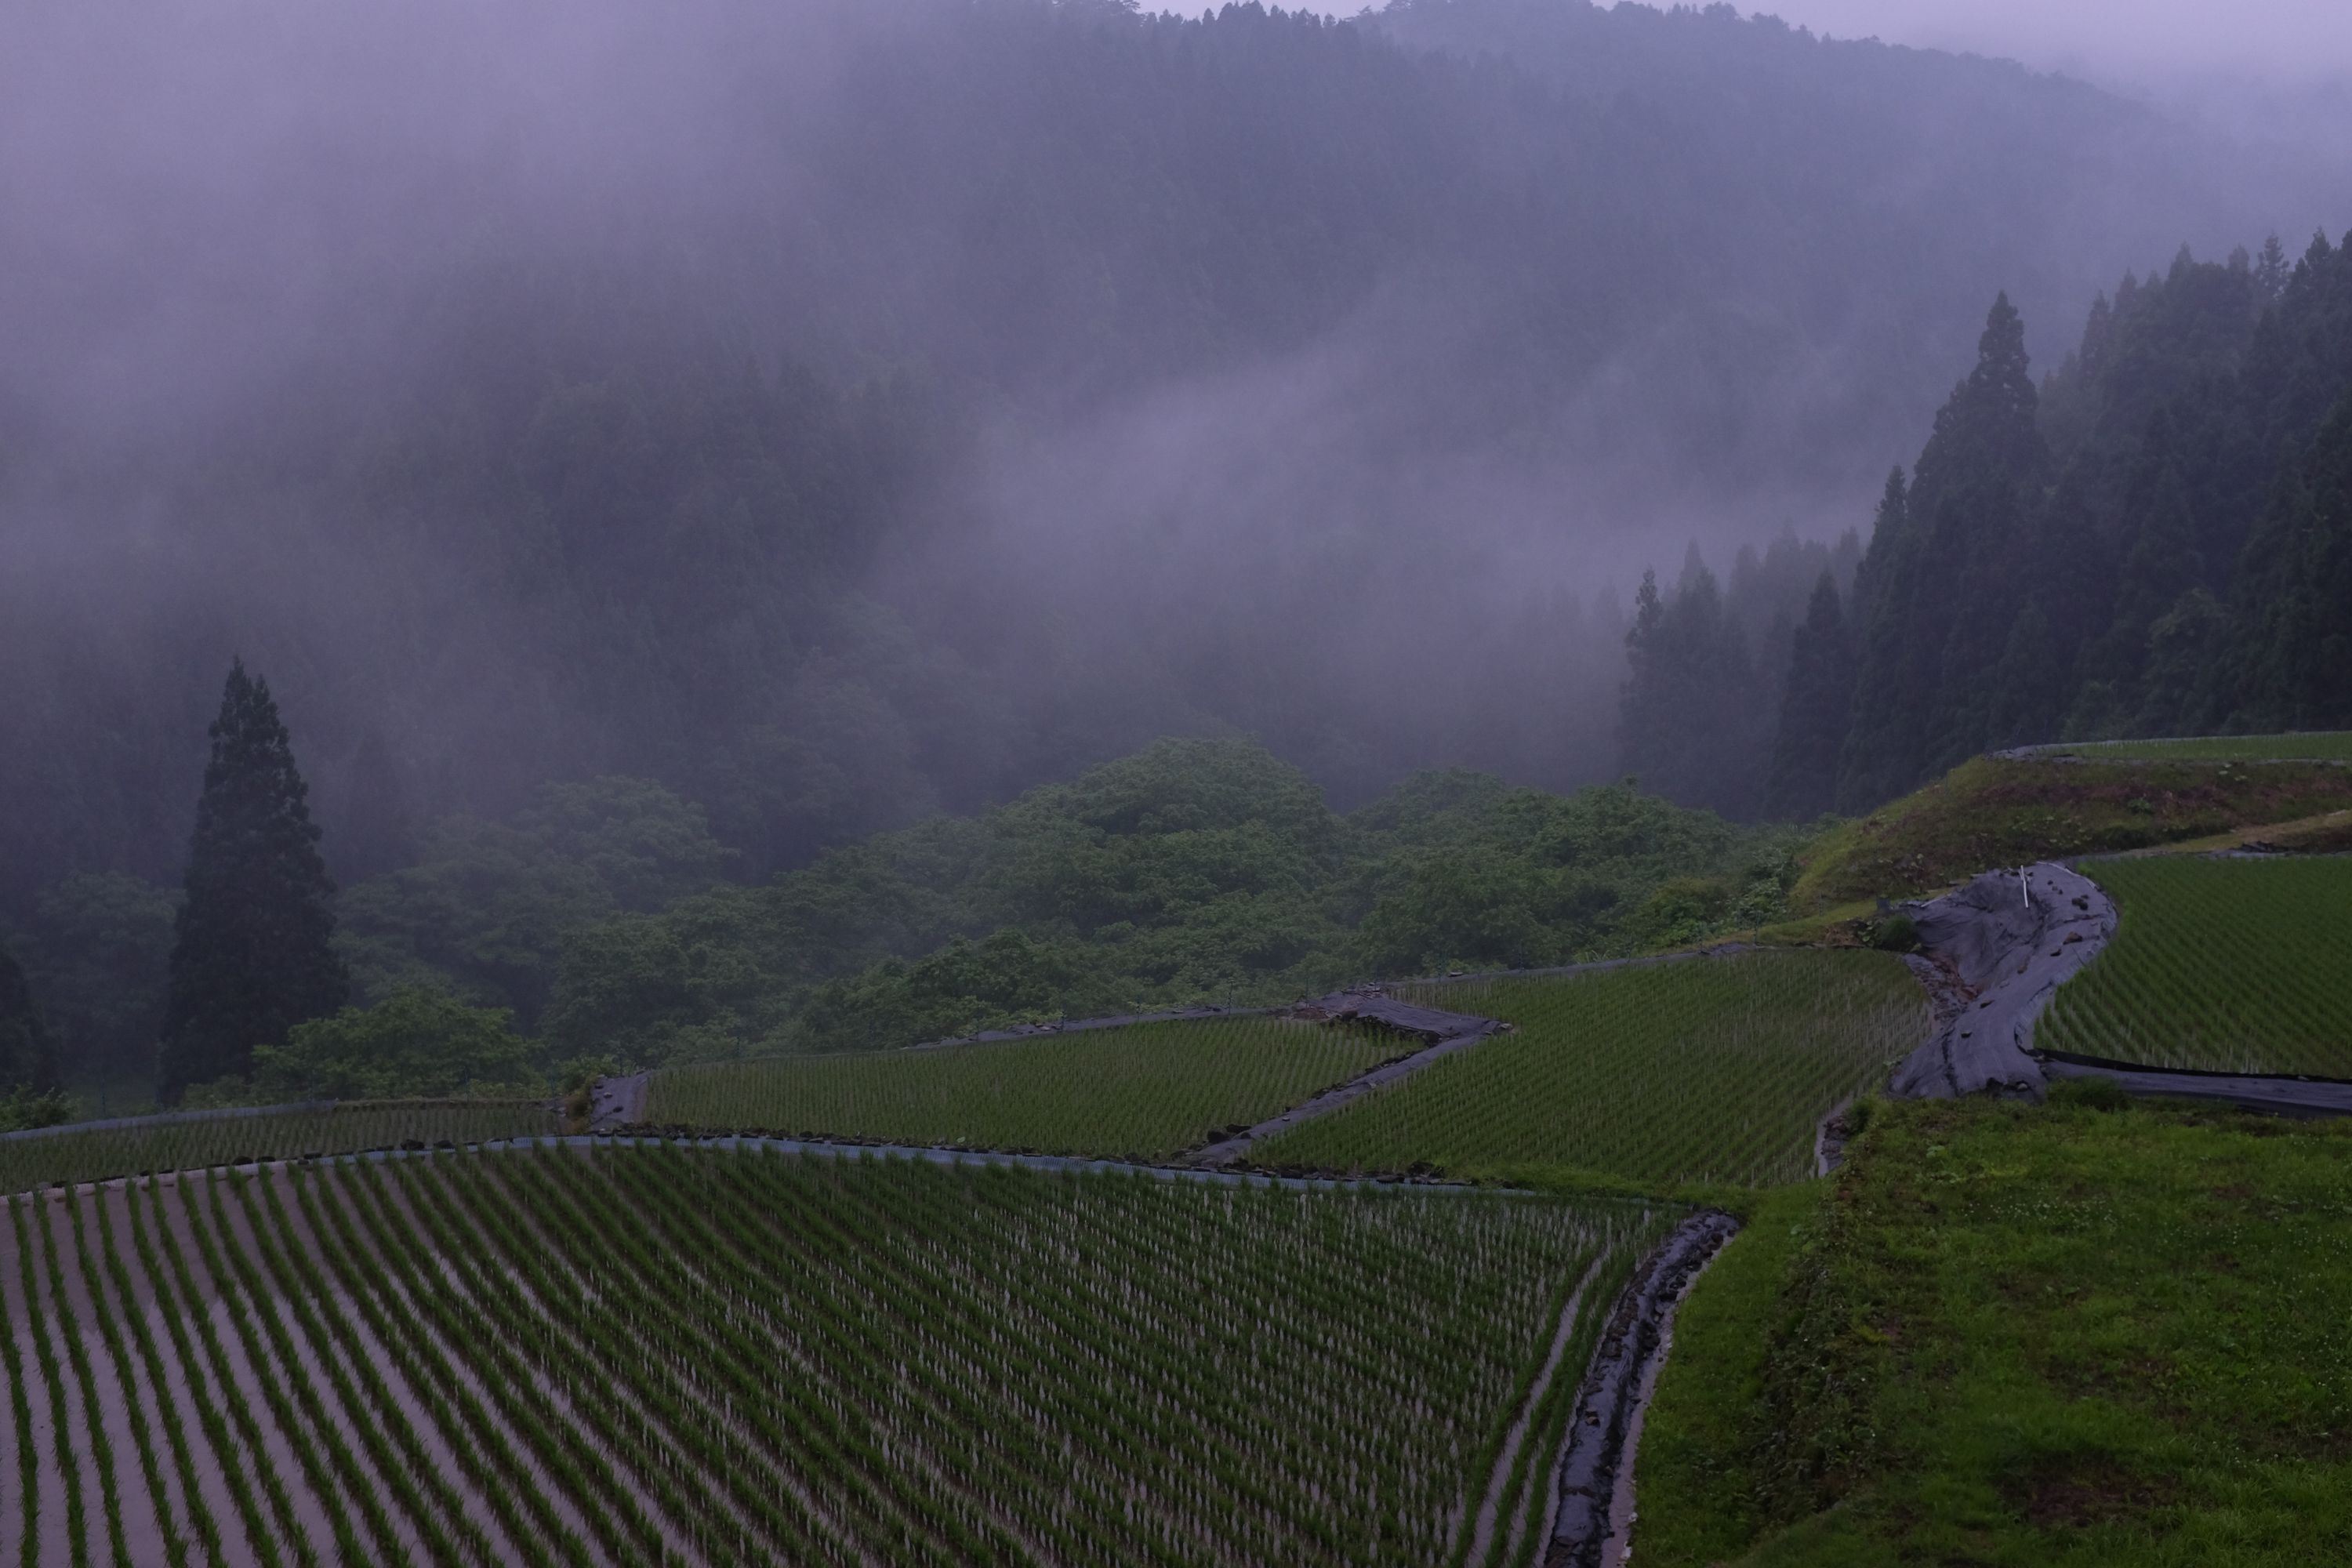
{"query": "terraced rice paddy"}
(193, 1140)
(1148, 1090)
(2326, 746)
(664, 1354)
(2224, 965)
(1713, 1069)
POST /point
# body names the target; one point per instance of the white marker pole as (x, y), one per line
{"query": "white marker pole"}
(2024, 888)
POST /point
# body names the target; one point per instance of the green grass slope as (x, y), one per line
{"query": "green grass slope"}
(2234, 965)
(2322, 745)
(2007, 1335)
(1148, 1090)
(1711, 1070)
(2001, 812)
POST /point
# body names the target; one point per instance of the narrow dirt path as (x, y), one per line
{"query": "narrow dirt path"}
(1598, 1454)
(614, 1102)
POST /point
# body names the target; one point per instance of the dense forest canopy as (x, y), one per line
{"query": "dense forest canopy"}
(842, 412)
(664, 458)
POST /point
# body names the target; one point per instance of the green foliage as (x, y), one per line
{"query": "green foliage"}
(100, 953)
(2019, 1335)
(2334, 745)
(1694, 715)
(27, 1061)
(2094, 1091)
(415, 1044)
(2177, 562)
(1997, 811)
(488, 905)
(1711, 1069)
(22, 1109)
(1193, 872)
(1150, 1089)
(2225, 965)
(1897, 934)
(964, 987)
(253, 951)
(1815, 703)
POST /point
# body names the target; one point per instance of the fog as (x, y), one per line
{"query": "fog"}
(2278, 40)
(846, 411)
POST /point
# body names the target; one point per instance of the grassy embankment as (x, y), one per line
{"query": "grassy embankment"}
(2001, 811)
(2319, 745)
(2006, 1334)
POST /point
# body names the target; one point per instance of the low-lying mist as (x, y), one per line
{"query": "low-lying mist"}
(845, 412)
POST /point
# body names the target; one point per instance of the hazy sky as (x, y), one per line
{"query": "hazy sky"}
(2153, 39)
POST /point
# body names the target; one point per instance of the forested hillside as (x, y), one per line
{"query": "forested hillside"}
(838, 413)
(593, 924)
(2153, 539)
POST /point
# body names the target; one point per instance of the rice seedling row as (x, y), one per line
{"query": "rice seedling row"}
(1715, 1070)
(1147, 1091)
(554, 1354)
(2222, 966)
(188, 1142)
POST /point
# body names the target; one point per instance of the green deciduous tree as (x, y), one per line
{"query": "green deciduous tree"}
(100, 954)
(26, 1060)
(415, 1042)
(253, 953)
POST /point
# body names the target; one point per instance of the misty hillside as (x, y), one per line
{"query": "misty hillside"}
(840, 412)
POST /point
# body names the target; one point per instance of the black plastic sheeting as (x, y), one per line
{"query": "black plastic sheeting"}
(2010, 939)
(1604, 1407)
(2278, 1094)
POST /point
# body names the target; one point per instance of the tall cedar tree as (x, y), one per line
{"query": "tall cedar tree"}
(1813, 711)
(1883, 712)
(25, 1058)
(1691, 724)
(254, 954)
(1945, 588)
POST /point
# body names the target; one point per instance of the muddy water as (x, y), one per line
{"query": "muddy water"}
(49, 1487)
(307, 1370)
(399, 1303)
(407, 1406)
(147, 1521)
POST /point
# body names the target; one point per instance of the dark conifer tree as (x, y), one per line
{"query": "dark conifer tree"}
(254, 954)
(1813, 711)
(27, 1061)
(1690, 724)
(1883, 729)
